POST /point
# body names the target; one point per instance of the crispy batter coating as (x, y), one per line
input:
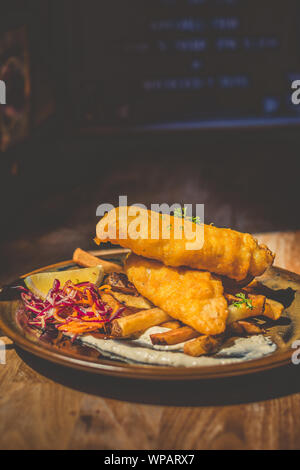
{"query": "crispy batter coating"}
(225, 252)
(191, 296)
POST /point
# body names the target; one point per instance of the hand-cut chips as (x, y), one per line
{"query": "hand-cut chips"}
(194, 298)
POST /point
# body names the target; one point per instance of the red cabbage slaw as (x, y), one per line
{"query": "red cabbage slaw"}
(72, 308)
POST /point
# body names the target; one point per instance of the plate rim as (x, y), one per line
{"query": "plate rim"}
(141, 371)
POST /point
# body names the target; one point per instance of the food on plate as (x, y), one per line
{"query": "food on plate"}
(83, 258)
(140, 321)
(273, 309)
(41, 283)
(113, 303)
(241, 307)
(119, 283)
(242, 328)
(82, 309)
(133, 301)
(203, 345)
(225, 252)
(174, 336)
(72, 308)
(172, 325)
(163, 298)
(193, 297)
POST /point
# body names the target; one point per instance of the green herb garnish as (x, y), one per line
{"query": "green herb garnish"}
(244, 300)
(178, 212)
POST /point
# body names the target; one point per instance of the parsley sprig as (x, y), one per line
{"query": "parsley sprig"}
(179, 212)
(244, 300)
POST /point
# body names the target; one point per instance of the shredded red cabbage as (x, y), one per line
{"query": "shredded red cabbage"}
(68, 303)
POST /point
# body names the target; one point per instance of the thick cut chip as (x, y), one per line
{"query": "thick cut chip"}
(193, 297)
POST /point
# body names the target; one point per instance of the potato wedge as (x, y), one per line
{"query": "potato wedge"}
(110, 301)
(244, 328)
(173, 325)
(176, 336)
(203, 345)
(242, 311)
(132, 301)
(273, 309)
(83, 258)
(140, 321)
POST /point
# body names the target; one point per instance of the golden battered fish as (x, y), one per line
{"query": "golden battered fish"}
(193, 297)
(224, 251)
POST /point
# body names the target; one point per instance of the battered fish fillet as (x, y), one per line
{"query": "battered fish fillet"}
(225, 252)
(193, 297)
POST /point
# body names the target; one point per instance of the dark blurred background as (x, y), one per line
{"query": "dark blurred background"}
(184, 101)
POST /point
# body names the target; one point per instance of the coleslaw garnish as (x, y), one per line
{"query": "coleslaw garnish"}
(72, 308)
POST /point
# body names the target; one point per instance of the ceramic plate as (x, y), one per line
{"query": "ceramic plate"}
(276, 283)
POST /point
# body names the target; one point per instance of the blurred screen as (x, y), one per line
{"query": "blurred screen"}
(171, 64)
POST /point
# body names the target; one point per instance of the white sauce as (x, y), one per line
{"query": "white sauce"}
(142, 351)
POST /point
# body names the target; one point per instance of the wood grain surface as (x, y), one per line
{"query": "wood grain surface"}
(43, 406)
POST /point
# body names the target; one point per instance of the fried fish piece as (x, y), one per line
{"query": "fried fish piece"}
(224, 251)
(191, 296)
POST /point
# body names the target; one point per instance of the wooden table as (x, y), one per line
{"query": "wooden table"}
(43, 406)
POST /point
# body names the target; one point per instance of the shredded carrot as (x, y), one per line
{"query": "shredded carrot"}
(80, 327)
(90, 298)
(87, 318)
(77, 309)
(57, 317)
(106, 287)
(114, 311)
(94, 308)
(79, 289)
